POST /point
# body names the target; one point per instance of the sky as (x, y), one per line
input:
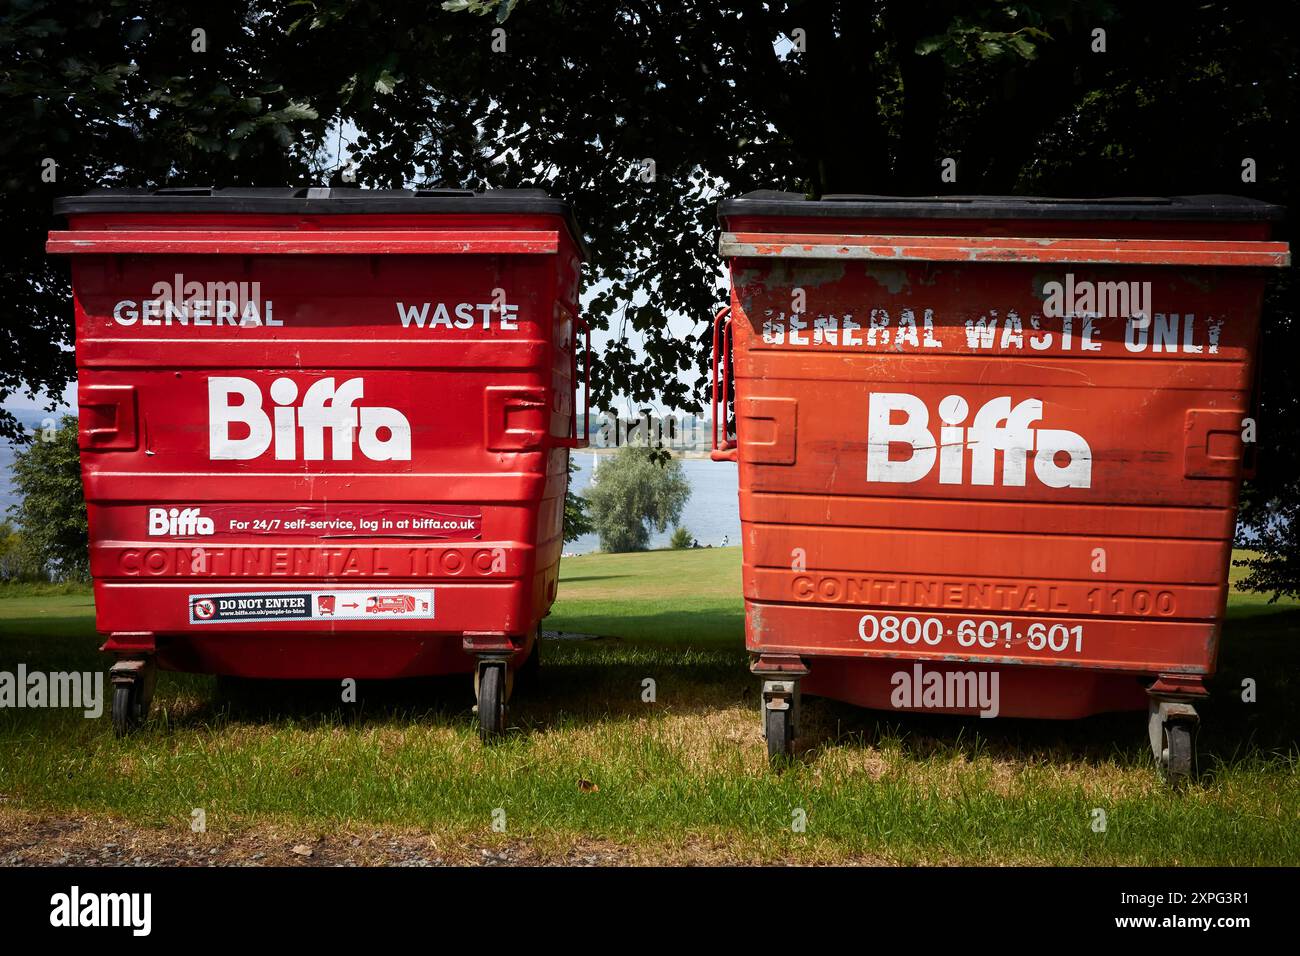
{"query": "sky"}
(29, 410)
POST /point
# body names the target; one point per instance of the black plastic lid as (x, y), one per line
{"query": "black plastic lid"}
(766, 202)
(318, 200)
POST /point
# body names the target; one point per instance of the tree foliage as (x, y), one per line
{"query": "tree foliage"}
(576, 95)
(576, 520)
(104, 93)
(16, 560)
(52, 512)
(636, 491)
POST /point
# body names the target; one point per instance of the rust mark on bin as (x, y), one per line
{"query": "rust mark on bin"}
(936, 482)
(1199, 252)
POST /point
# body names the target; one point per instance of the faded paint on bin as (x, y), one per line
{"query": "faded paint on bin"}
(934, 470)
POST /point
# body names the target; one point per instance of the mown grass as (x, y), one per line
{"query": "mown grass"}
(683, 778)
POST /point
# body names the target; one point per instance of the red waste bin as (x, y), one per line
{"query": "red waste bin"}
(990, 448)
(324, 432)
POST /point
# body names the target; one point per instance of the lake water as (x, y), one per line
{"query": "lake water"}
(712, 514)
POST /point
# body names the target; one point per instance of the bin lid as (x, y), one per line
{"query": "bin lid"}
(322, 200)
(766, 202)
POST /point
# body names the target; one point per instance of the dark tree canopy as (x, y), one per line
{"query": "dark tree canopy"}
(714, 94)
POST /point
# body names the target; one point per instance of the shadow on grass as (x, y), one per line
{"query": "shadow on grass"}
(258, 701)
(574, 578)
(1262, 648)
(704, 670)
(709, 627)
(586, 682)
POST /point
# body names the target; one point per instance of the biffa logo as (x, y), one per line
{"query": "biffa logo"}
(383, 434)
(1062, 459)
(179, 522)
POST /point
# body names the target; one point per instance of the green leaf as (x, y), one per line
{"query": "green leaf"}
(104, 81)
(297, 111)
(927, 45)
(1023, 47)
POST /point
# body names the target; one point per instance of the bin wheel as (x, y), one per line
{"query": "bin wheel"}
(1176, 758)
(492, 702)
(133, 684)
(777, 729)
(129, 707)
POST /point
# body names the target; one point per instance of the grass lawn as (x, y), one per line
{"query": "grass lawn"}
(682, 779)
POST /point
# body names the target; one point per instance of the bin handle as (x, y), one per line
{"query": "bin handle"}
(573, 441)
(723, 449)
(1250, 450)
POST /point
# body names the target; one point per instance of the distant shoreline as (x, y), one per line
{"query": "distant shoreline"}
(696, 453)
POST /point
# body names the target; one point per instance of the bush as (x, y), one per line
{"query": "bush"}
(681, 539)
(636, 489)
(17, 564)
(1273, 563)
(576, 520)
(52, 514)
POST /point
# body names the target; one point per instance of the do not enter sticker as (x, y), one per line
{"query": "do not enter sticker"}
(310, 606)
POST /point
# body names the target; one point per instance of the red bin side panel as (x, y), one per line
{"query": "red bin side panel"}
(343, 473)
(938, 464)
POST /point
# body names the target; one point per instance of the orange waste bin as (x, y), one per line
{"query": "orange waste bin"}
(990, 448)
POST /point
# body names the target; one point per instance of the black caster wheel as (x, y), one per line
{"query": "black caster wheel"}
(133, 683)
(492, 702)
(780, 702)
(1177, 757)
(780, 737)
(1171, 726)
(130, 707)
